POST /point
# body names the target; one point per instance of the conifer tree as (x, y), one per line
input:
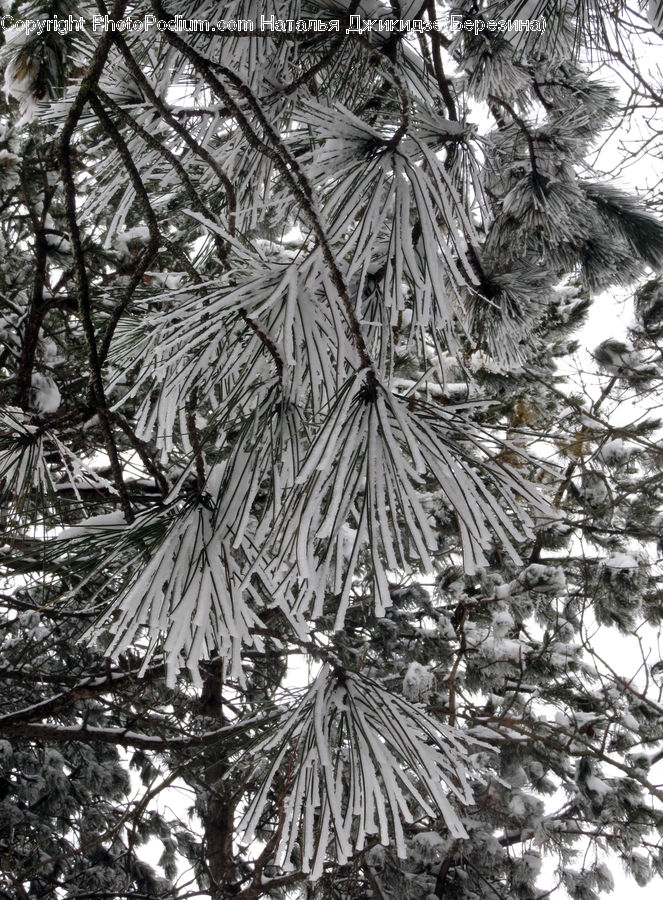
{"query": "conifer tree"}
(314, 552)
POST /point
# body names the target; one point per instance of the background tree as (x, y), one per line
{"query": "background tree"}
(311, 547)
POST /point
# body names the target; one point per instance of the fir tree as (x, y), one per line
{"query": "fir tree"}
(311, 544)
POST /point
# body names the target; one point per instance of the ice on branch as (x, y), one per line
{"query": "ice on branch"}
(186, 600)
(374, 462)
(32, 458)
(352, 761)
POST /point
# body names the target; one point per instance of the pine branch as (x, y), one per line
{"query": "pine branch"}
(88, 689)
(498, 101)
(127, 737)
(194, 439)
(64, 158)
(285, 162)
(168, 117)
(38, 305)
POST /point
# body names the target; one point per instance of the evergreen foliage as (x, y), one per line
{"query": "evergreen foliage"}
(314, 551)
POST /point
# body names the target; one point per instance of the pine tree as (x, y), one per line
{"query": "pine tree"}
(311, 541)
